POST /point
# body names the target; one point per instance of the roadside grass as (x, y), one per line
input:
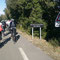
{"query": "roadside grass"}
(49, 48)
(54, 42)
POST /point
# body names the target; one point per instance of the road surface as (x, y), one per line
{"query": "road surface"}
(21, 50)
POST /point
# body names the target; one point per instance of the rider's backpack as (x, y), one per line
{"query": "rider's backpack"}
(12, 24)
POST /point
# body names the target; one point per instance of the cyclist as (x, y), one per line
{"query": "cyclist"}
(1, 31)
(8, 24)
(13, 29)
(3, 26)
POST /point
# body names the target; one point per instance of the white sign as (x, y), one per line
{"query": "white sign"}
(57, 21)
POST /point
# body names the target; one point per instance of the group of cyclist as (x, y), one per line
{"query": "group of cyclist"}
(8, 25)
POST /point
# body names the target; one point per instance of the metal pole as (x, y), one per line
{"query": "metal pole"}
(40, 33)
(32, 32)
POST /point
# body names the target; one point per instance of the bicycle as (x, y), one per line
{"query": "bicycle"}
(13, 34)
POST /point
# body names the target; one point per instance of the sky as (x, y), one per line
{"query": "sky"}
(2, 6)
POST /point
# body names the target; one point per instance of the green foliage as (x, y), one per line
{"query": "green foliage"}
(0, 18)
(7, 13)
(3, 17)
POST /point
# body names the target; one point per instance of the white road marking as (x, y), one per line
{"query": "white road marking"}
(23, 54)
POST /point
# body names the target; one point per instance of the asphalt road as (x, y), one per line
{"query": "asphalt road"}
(22, 49)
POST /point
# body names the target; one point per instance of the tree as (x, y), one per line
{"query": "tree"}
(0, 18)
(7, 13)
(3, 17)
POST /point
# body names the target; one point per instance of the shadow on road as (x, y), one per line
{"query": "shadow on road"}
(6, 33)
(4, 42)
(8, 39)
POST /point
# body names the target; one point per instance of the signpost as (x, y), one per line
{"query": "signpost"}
(35, 26)
(57, 21)
(56, 0)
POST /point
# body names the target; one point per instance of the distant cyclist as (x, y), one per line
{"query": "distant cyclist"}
(13, 29)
